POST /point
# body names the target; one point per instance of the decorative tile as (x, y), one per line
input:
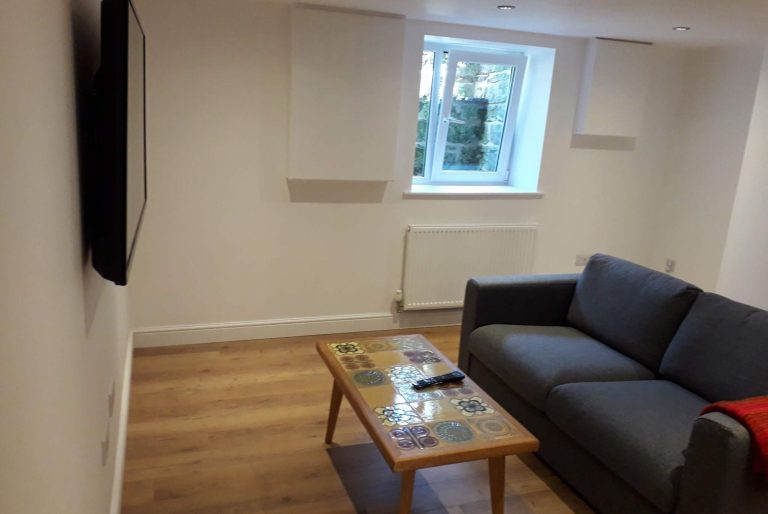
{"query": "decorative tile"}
(456, 390)
(379, 345)
(493, 427)
(435, 368)
(406, 444)
(416, 436)
(411, 395)
(399, 414)
(474, 406)
(404, 374)
(360, 361)
(410, 343)
(389, 359)
(428, 441)
(370, 377)
(399, 433)
(422, 356)
(453, 431)
(381, 395)
(436, 410)
(345, 348)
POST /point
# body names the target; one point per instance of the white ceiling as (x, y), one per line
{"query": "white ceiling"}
(712, 22)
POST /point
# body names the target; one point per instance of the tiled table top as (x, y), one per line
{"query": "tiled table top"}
(446, 423)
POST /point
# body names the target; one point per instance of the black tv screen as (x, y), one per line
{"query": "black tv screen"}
(120, 194)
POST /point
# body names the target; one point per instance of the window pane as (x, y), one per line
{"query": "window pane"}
(422, 130)
(478, 114)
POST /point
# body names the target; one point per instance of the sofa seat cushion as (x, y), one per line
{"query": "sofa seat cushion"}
(639, 430)
(633, 309)
(532, 360)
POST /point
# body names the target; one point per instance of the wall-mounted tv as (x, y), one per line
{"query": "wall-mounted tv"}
(120, 173)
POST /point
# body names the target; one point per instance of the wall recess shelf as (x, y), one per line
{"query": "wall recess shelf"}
(345, 94)
(613, 94)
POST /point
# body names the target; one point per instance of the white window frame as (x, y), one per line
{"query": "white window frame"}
(439, 122)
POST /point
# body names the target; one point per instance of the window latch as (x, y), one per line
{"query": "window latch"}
(457, 121)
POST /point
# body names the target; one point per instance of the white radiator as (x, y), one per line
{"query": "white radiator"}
(440, 259)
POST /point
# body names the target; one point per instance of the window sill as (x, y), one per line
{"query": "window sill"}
(469, 192)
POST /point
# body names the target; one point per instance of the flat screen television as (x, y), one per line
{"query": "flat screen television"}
(120, 174)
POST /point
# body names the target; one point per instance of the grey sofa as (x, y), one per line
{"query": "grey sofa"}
(610, 369)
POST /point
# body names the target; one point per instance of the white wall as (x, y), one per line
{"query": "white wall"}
(224, 242)
(63, 330)
(744, 275)
(708, 147)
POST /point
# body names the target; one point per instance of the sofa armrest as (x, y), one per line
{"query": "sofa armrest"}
(717, 477)
(514, 300)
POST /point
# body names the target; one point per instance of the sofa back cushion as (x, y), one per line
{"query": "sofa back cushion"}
(720, 351)
(633, 309)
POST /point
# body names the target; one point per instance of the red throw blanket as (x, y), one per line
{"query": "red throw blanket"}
(753, 414)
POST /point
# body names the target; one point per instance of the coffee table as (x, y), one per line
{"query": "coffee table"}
(420, 429)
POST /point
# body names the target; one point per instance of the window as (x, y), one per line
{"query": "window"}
(466, 137)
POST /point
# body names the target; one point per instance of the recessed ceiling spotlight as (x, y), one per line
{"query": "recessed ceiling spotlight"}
(505, 7)
(682, 29)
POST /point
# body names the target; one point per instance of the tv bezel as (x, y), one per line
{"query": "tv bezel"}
(111, 256)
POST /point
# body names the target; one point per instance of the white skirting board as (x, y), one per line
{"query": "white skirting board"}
(172, 335)
(122, 430)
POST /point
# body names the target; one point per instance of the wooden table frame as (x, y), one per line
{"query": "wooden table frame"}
(406, 465)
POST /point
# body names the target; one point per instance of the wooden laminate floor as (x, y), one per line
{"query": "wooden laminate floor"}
(237, 428)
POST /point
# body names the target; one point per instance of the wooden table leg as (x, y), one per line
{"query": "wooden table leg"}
(496, 479)
(406, 491)
(333, 412)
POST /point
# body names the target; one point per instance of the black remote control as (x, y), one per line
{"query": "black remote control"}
(455, 376)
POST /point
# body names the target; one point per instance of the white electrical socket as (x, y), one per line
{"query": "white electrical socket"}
(581, 259)
(669, 266)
